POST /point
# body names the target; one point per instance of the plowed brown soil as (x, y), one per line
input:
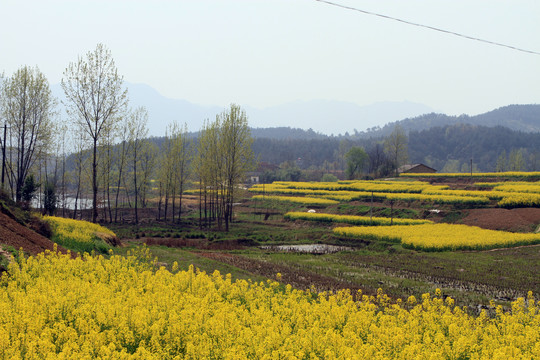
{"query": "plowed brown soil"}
(18, 236)
(519, 220)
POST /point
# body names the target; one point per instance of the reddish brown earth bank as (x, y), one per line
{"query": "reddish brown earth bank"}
(522, 220)
(19, 236)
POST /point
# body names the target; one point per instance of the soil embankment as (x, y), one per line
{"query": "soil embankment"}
(19, 236)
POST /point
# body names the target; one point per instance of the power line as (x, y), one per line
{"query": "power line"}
(429, 27)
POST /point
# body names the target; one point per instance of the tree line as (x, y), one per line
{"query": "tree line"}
(332, 157)
(451, 148)
(445, 148)
(112, 158)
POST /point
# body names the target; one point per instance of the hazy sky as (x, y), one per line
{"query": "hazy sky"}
(264, 53)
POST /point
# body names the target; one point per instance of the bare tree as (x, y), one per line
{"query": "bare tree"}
(224, 156)
(121, 154)
(96, 98)
(180, 153)
(395, 146)
(138, 131)
(27, 105)
(165, 174)
(148, 162)
(105, 162)
(236, 143)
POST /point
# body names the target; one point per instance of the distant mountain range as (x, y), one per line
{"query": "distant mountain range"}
(318, 131)
(320, 118)
(333, 117)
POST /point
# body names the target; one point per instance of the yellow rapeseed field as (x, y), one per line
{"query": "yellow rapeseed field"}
(507, 174)
(507, 194)
(441, 236)
(356, 185)
(519, 186)
(363, 190)
(297, 200)
(55, 307)
(511, 200)
(77, 234)
(352, 219)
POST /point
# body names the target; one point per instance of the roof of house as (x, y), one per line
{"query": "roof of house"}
(405, 168)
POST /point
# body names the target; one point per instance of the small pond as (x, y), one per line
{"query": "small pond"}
(309, 248)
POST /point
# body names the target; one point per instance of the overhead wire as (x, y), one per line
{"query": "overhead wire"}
(428, 27)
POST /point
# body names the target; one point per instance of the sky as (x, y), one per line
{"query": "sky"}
(266, 53)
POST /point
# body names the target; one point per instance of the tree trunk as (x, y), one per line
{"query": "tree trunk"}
(135, 185)
(94, 183)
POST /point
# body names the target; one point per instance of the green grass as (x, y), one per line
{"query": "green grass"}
(470, 277)
(453, 217)
(380, 211)
(97, 245)
(245, 228)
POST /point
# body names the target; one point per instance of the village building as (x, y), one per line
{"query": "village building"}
(416, 168)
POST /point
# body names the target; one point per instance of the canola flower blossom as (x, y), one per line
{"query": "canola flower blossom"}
(345, 191)
(441, 236)
(507, 174)
(506, 194)
(518, 186)
(381, 186)
(55, 307)
(520, 199)
(297, 200)
(77, 234)
(353, 219)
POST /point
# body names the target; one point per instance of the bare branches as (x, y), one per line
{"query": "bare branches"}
(224, 157)
(96, 98)
(27, 105)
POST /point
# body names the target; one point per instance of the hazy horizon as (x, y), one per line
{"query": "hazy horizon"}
(262, 54)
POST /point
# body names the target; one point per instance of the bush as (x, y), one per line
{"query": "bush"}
(329, 178)
(49, 200)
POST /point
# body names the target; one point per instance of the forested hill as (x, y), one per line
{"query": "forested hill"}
(447, 147)
(525, 118)
(450, 148)
(286, 133)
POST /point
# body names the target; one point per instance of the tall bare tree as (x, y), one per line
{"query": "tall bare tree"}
(120, 161)
(148, 162)
(516, 161)
(203, 168)
(28, 107)
(236, 144)
(224, 156)
(395, 146)
(95, 99)
(80, 141)
(105, 163)
(165, 174)
(181, 153)
(138, 131)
